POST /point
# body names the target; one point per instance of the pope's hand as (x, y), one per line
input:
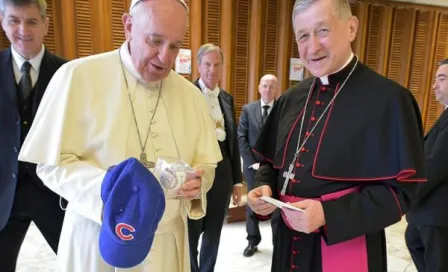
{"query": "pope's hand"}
(256, 204)
(192, 186)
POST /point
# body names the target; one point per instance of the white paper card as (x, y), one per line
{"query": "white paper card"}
(280, 204)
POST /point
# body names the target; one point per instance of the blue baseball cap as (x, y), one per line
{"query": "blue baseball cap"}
(134, 204)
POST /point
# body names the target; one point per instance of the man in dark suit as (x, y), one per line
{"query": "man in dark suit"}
(427, 231)
(25, 71)
(228, 172)
(252, 119)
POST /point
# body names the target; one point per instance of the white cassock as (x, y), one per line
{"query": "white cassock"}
(85, 124)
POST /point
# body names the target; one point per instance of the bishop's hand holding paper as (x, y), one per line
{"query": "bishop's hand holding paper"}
(307, 221)
(258, 205)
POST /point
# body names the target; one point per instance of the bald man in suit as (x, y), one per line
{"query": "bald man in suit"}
(251, 121)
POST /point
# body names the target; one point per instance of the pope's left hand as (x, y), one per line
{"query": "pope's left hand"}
(237, 194)
(192, 186)
(308, 221)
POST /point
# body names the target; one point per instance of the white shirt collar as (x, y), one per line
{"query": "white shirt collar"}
(35, 62)
(324, 79)
(203, 87)
(127, 62)
(271, 104)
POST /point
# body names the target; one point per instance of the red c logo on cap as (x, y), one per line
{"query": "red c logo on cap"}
(119, 231)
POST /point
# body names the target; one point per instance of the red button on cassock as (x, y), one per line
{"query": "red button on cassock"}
(313, 118)
(318, 102)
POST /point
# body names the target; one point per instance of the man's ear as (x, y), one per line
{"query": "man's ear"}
(127, 24)
(353, 28)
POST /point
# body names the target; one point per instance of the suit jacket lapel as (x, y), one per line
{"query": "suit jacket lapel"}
(196, 83)
(258, 115)
(436, 123)
(7, 77)
(226, 108)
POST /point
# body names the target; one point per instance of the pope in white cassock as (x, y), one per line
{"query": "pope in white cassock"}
(100, 110)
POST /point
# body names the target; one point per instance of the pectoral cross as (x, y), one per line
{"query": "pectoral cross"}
(145, 162)
(286, 174)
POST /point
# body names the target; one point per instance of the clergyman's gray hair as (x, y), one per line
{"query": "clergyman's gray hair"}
(41, 4)
(207, 48)
(341, 9)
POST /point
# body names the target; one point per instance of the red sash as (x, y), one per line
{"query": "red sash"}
(348, 256)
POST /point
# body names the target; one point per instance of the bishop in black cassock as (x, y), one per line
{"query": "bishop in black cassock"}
(368, 144)
(368, 141)
(345, 145)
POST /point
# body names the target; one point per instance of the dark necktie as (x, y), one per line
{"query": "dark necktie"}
(25, 85)
(265, 113)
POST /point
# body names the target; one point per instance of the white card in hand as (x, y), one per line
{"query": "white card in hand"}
(280, 204)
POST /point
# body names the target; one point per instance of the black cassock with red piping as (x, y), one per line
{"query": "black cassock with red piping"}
(370, 139)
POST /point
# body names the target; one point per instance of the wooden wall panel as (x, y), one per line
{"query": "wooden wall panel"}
(270, 41)
(441, 49)
(401, 45)
(256, 44)
(186, 41)
(50, 39)
(241, 55)
(284, 45)
(377, 45)
(419, 81)
(195, 18)
(118, 7)
(212, 22)
(83, 22)
(227, 45)
(361, 11)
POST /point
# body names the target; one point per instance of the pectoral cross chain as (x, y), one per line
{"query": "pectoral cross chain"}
(145, 162)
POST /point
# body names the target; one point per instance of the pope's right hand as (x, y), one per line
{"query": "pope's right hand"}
(256, 204)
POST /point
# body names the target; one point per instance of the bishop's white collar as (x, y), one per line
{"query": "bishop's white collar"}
(324, 79)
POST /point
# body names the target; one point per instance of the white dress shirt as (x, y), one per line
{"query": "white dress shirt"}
(35, 65)
(211, 96)
(271, 104)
